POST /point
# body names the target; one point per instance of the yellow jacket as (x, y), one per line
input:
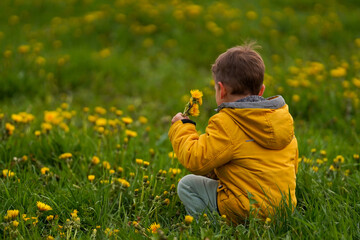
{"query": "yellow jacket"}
(252, 149)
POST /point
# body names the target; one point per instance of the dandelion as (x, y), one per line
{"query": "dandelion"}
(65, 156)
(339, 158)
(251, 15)
(166, 201)
(139, 161)
(9, 128)
(146, 164)
(8, 173)
(23, 49)
(106, 165)
(315, 169)
(127, 120)
(95, 160)
(91, 178)
(143, 120)
(153, 227)
(192, 107)
(49, 218)
(338, 72)
(152, 151)
(101, 122)
(296, 98)
(194, 111)
(188, 219)
(118, 112)
(42, 207)
(15, 223)
(11, 214)
(100, 110)
(44, 170)
(130, 133)
(40, 60)
(120, 169)
(123, 182)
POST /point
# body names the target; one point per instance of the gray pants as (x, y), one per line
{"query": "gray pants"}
(198, 194)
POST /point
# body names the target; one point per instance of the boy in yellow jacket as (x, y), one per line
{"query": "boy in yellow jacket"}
(249, 145)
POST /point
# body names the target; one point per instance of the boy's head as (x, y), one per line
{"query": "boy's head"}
(240, 69)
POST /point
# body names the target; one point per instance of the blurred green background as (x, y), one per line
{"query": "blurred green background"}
(151, 53)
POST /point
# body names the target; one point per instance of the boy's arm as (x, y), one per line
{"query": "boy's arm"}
(201, 154)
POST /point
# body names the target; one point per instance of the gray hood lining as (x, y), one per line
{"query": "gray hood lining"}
(273, 102)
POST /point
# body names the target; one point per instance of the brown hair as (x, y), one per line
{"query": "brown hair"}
(241, 69)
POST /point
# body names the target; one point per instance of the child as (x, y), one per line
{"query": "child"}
(249, 145)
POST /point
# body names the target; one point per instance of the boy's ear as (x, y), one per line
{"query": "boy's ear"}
(262, 90)
(222, 89)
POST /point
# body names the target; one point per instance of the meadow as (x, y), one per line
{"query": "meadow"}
(88, 89)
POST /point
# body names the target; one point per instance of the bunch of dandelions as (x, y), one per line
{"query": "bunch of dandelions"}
(192, 107)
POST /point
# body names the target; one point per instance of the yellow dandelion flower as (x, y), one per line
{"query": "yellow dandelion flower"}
(101, 122)
(296, 98)
(40, 60)
(65, 156)
(251, 15)
(120, 169)
(166, 201)
(118, 112)
(127, 120)
(100, 110)
(50, 237)
(42, 207)
(194, 110)
(315, 169)
(153, 227)
(8, 173)
(23, 49)
(49, 218)
(15, 223)
(91, 178)
(188, 219)
(130, 133)
(95, 160)
(9, 128)
(146, 163)
(139, 161)
(106, 165)
(44, 170)
(196, 94)
(123, 182)
(143, 120)
(46, 127)
(172, 155)
(268, 220)
(11, 214)
(338, 72)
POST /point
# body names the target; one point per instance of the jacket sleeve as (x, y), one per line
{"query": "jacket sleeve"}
(201, 154)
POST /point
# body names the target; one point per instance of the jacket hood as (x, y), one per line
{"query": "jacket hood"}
(267, 121)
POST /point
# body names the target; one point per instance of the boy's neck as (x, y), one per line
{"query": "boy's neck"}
(235, 97)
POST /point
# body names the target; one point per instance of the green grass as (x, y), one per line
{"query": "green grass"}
(143, 57)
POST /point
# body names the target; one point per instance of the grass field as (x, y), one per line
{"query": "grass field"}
(88, 89)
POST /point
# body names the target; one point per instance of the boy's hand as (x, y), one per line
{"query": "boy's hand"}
(178, 117)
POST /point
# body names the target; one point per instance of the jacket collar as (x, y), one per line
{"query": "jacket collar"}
(273, 102)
